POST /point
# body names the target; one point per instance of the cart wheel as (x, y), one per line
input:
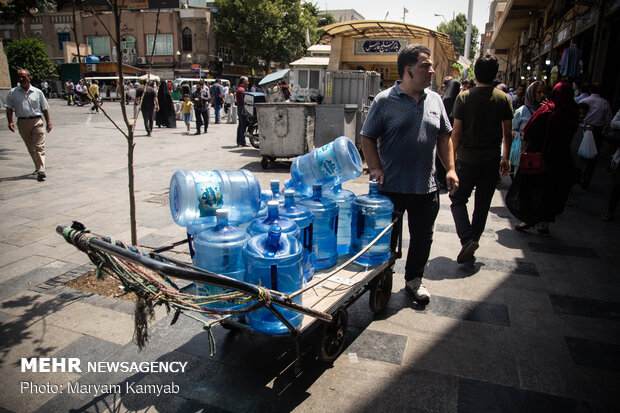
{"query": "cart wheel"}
(264, 162)
(380, 291)
(333, 336)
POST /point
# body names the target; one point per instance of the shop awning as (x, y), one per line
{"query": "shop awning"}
(274, 77)
(515, 19)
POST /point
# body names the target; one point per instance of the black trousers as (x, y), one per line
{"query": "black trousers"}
(202, 118)
(147, 115)
(482, 176)
(588, 171)
(422, 210)
(243, 124)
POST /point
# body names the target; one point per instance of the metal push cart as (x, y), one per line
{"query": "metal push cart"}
(325, 298)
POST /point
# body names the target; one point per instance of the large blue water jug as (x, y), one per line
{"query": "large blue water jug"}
(273, 260)
(338, 161)
(220, 250)
(262, 225)
(276, 195)
(196, 195)
(304, 219)
(324, 229)
(370, 215)
(343, 198)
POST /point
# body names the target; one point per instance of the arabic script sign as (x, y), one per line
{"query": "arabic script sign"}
(379, 46)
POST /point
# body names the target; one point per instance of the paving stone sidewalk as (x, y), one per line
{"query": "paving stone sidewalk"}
(535, 326)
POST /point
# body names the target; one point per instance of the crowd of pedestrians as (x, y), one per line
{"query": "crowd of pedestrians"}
(415, 144)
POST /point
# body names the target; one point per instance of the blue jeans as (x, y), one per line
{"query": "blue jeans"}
(217, 107)
(483, 176)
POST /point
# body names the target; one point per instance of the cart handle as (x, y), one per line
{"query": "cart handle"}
(345, 264)
(204, 276)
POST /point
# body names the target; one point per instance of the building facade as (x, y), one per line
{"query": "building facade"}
(553, 39)
(184, 46)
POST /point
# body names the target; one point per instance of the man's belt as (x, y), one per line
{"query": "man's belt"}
(29, 117)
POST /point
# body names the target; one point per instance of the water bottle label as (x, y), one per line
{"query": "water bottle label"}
(327, 160)
(209, 194)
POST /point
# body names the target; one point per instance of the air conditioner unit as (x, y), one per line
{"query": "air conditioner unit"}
(141, 60)
(523, 39)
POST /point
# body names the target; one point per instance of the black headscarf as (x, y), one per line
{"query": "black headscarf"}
(452, 90)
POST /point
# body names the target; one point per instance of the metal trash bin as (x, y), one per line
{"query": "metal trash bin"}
(333, 121)
(286, 129)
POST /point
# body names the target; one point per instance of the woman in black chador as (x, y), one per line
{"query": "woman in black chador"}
(166, 116)
(539, 198)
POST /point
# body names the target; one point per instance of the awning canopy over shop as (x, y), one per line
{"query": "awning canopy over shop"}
(380, 28)
(515, 19)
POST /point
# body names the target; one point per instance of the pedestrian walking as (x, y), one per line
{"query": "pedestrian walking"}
(542, 196)
(217, 98)
(70, 88)
(598, 117)
(186, 107)
(165, 116)
(405, 127)
(482, 121)
(29, 105)
(614, 194)
(93, 95)
(146, 95)
(201, 108)
(243, 123)
(532, 99)
(229, 100)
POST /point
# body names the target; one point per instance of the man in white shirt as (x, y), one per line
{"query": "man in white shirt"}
(29, 105)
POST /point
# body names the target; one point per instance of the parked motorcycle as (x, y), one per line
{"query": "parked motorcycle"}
(249, 111)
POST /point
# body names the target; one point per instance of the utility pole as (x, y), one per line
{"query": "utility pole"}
(470, 11)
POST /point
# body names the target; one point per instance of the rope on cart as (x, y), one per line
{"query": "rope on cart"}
(153, 288)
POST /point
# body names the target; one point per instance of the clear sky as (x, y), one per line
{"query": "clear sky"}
(421, 12)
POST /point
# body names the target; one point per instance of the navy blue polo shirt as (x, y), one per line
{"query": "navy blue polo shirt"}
(407, 132)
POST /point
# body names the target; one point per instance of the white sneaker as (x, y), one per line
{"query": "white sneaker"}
(415, 287)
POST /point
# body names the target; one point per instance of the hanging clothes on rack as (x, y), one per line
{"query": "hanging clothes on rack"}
(570, 64)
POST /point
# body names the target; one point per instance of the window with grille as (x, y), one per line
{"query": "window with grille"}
(63, 37)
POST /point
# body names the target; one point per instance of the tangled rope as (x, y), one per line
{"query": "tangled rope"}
(153, 288)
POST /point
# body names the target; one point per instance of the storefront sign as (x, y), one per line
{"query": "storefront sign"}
(546, 46)
(587, 19)
(562, 35)
(379, 46)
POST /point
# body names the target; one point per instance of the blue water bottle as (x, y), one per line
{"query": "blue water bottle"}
(304, 219)
(220, 250)
(338, 161)
(273, 260)
(262, 225)
(324, 229)
(275, 191)
(343, 198)
(196, 195)
(370, 215)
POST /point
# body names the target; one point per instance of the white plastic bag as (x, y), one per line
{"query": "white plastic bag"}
(587, 149)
